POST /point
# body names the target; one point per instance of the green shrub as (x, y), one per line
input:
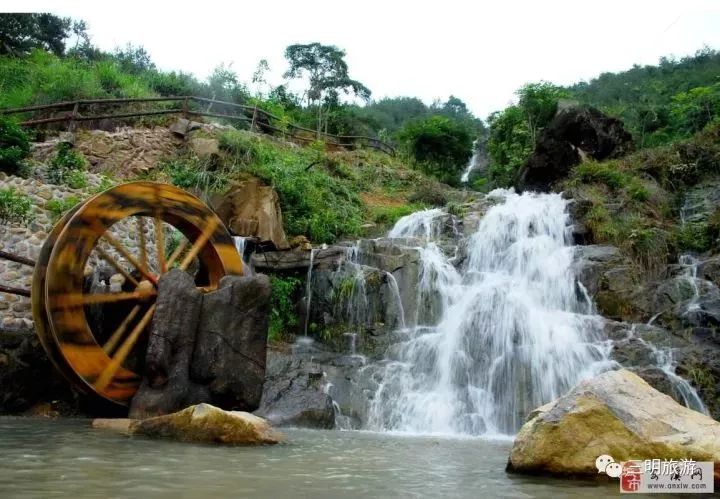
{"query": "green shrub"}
(189, 172)
(67, 167)
(58, 207)
(15, 207)
(430, 194)
(314, 202)
(283, 317)
(440, 146)
(14, 146)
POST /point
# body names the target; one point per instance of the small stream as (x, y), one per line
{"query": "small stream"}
(66, 458)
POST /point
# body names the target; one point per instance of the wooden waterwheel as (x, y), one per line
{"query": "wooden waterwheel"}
(95, 331)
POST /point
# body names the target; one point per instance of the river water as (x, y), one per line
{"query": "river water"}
(66, 458)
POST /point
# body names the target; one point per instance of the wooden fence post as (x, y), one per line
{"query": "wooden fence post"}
(185, 108)
(72, 124)
(254, 118)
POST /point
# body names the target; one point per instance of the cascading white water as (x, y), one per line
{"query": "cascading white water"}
(240, 245)
(508, 334)
(471, 164)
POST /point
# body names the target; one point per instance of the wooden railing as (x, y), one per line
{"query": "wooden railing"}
(259, 119)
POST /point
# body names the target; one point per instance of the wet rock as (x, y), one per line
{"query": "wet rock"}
(298, 259)
(121, 425)
(295, 395)
(230, 348)
(252, 209)
(576, 132)
(616, 413)
(167, 386)
(204, 423)
(22, 363)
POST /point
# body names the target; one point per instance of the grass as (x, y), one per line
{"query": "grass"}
(326, 195)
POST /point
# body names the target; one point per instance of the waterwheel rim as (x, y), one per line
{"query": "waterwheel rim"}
(99, 364)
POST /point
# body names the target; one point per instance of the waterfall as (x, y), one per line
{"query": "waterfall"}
(308, 291)
(471, 164)
(241, 245)
(507, 333)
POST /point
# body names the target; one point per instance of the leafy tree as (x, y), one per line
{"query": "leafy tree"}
(509, 144)
(21, 33)
(513, 131)
(223, 84)
(697, 107)
(644, 97)
(327, 74)
(134, 60)
(439, 145)
(538, 102)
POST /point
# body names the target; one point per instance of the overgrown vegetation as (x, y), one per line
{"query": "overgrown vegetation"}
(634, 202)
(283, 317)
(15, 207)
(67, 167)
(58, 207)
(37, 68)
(662, 103)
(14, 146)
(441, 147)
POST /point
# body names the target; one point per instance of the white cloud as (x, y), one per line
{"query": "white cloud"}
(478, 51)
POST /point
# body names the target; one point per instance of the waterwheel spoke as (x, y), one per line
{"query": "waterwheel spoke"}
(108, 373)
(175, 254)
(81, 299)
(200, 243)
(108, 258)
(110, 345)
(125, 253)
(141, 241)
(160, 245)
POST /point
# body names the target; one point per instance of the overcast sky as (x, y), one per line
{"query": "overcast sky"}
(478, 51)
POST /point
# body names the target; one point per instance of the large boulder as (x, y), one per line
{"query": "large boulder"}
(252, 209)
(296, 394)
(574, 134)
(202, 423)
(231, 342)
(616, 413)
(166, 386)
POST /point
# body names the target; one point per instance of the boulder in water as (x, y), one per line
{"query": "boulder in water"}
(231, 342)
(202, 423)
(166, 386)
(616, 413)
(295, 395)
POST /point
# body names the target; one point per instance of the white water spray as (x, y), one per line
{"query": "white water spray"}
(490, 344)
(471, 164)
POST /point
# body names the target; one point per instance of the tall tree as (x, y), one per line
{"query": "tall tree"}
(327, 73)
(21, 33)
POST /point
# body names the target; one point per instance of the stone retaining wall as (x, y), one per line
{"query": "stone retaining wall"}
(26, 239)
